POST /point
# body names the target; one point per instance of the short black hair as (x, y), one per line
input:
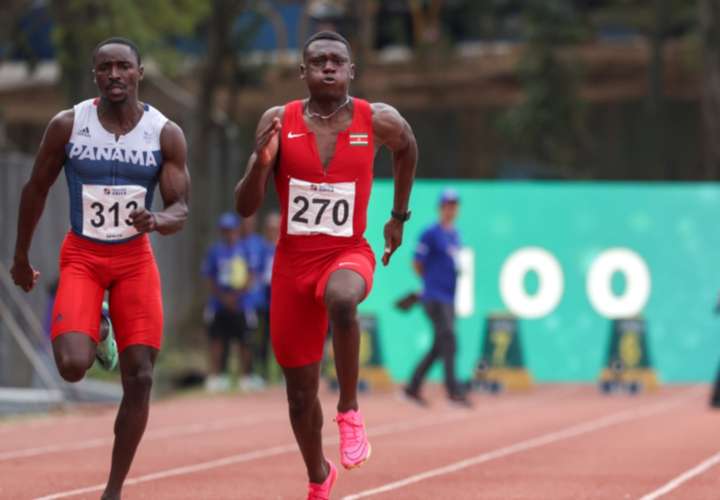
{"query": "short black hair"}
(121, 41)
(327, 35)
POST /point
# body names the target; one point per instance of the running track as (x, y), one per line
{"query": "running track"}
(557, 442)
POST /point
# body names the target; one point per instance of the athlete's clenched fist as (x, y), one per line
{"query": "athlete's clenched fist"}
(143, 220)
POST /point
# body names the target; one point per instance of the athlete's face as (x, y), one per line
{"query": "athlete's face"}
(117, 72)
(327, 69)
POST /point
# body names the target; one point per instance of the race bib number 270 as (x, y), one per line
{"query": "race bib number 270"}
(106, 211)
(321, 208)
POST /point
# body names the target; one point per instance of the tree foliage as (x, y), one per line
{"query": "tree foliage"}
(548, 124)
(710, 31)
(81, 24)
(657, 21)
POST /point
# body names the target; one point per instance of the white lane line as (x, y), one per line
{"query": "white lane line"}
(541, 398)
(685, 476)
(189, 469)
(528, 444)
(13, 425)
(163, 433)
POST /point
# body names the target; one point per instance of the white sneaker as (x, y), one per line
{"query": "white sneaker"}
(217, 383)
(251, 383)
(258, 382)
(245, 383)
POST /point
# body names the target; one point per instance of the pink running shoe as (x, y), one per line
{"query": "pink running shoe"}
(354, 446)
(322, 491)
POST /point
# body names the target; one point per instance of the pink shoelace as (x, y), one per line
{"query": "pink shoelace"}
(354, 428)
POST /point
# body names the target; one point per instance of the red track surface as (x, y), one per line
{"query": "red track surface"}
(557, 442)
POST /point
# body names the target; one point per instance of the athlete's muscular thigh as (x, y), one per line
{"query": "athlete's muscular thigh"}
(298, 323)
(79, 295)
(136, 304)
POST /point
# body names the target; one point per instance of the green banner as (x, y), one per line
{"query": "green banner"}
(567, 259)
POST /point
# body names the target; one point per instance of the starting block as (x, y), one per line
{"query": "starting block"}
(629, 368)
(501, 366)
(373, 374)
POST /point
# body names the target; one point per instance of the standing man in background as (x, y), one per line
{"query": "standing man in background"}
(226, 271)
(715, 394)
(436, 262)
(320, 151)
(115, 150)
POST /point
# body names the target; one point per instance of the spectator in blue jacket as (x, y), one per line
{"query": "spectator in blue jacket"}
(256, 301)
(436, 261)
(226, 270)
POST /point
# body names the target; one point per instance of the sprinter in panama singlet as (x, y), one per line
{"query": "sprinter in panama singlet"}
(320, 151)
(108, 178)
(115, 151)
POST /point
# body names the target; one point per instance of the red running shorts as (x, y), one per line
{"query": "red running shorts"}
(298, 317)
(128, 270)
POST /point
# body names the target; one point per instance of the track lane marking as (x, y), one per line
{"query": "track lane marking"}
(684, 477)
(151, 435)
(529, 444)
(382, 430)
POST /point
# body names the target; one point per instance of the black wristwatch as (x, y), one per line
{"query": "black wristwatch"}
(401, 216)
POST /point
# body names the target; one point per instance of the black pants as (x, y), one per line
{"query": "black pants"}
(442, 317)
(228, 326)
(715, 395)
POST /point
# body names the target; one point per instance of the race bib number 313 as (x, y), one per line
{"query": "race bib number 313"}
(106, 211)
(321, 208)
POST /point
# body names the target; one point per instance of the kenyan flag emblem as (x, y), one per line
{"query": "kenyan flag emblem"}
(358, 139)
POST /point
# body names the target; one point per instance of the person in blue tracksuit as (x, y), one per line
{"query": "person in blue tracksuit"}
(226, 270)
(256, 302)
(436, 261)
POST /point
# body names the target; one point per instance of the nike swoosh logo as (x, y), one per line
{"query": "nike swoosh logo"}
(293, 136)
(357, 453)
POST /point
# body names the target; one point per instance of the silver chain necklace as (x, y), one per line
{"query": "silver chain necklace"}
(313, 114)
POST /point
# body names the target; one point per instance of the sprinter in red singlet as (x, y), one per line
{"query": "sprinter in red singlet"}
(321, 151)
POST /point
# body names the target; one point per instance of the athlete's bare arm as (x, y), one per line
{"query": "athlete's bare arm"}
(174, 183)
(250, 191)
(48, 164)
(392, 131)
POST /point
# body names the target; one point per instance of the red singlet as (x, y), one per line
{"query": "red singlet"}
(324, 215)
